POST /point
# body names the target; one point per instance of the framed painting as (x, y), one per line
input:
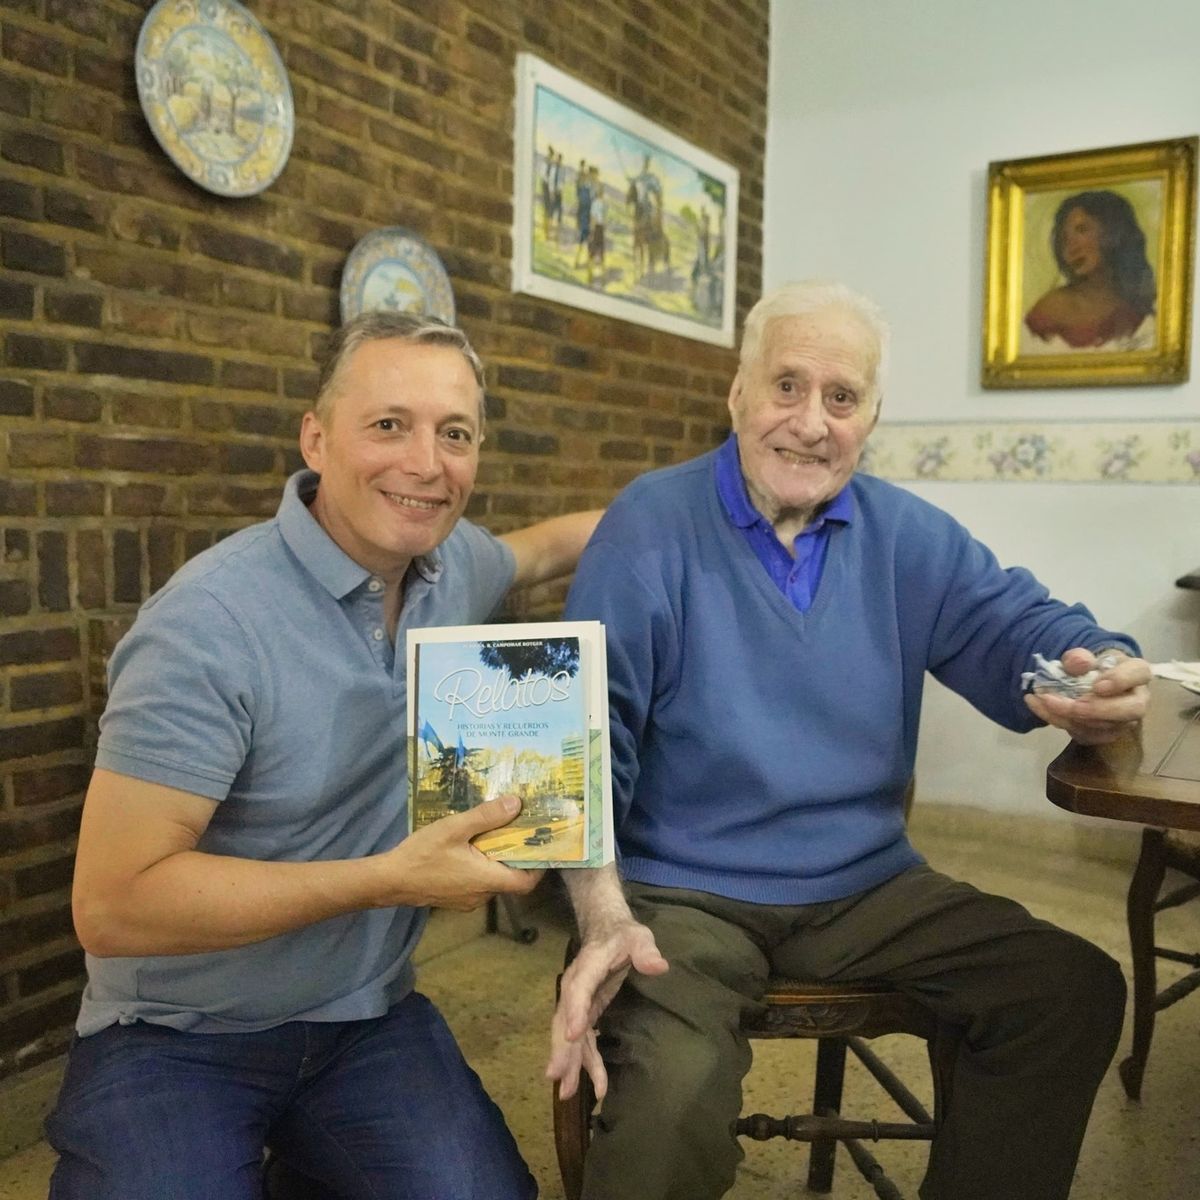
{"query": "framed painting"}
(615, 214)
(1089, 267)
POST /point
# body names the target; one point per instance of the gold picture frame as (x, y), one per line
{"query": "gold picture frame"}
(1089, 267)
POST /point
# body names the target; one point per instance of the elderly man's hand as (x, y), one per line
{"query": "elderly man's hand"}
(588, 985)
(1117, 702)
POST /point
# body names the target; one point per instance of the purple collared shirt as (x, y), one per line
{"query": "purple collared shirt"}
(797, 578)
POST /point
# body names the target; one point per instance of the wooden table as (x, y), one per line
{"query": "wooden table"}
(1153, 778)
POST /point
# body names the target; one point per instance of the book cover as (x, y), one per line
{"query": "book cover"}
(521, 709)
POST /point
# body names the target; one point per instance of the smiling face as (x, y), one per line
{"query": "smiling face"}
(397, 452)
(1081, 247)
(802, 410)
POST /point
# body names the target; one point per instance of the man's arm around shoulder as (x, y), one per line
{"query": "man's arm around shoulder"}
(550, 549)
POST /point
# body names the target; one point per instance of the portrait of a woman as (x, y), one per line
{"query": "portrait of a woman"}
(1107, 299)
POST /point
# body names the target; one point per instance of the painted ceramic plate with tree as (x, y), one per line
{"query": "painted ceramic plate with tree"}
(396, 269)
(216, 94)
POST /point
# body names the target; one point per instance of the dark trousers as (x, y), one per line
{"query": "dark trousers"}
(381, 1108)
(1041, 1009)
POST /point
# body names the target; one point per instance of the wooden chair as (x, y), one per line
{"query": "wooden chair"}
(1160, 849)
(518, 929)
(841, 1016)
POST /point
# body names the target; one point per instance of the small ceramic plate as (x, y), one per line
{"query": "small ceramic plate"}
(216, 94)
(396, 269)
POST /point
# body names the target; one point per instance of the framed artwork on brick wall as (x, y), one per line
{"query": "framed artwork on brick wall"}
(615, 214)
(1089, 267)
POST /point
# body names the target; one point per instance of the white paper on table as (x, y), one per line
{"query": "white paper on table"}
(1185, 673)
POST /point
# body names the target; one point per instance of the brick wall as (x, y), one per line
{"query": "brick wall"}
(159, 342)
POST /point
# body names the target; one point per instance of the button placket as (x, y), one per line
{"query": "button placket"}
(368, 607)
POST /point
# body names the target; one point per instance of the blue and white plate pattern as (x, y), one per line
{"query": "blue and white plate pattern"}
(396, 269)
(216, 94)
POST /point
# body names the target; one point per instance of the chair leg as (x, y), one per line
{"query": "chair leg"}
(943, 1050)
(572, 1133)
(827, 1102)
(1143, 892)
(526, 934)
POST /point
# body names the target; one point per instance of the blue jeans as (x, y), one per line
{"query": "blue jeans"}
(382, 1109)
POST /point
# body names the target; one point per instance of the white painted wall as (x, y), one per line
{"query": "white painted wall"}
(883, 119)
(1117, 549)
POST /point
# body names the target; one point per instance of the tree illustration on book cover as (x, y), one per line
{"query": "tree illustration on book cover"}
(503, 716)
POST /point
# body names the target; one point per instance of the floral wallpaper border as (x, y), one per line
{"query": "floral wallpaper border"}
(1119, 452)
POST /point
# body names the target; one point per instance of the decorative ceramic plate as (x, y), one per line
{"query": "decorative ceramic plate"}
(396, 269)
(216, 94)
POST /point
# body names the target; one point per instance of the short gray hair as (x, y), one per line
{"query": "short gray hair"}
(810, 296)
(418, 328)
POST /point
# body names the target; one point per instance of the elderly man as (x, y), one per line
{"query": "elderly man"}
(244, 887)
(770, 617)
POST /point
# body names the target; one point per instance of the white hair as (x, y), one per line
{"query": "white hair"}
(811, 296)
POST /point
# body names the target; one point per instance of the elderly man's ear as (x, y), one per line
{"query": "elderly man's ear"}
(735, 394)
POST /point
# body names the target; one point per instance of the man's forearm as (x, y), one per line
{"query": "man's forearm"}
(142, 887)
(193, 903)
(598, 899)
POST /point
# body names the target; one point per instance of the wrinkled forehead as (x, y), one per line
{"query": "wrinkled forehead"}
(835, 338)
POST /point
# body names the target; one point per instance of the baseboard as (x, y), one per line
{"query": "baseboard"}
(1084, 837)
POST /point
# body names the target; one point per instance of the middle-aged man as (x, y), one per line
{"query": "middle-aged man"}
(244, 887)
(770, 618)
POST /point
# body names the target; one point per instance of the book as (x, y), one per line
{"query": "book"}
(520, 708)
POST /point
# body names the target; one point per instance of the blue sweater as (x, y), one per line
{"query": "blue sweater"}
(762, 753)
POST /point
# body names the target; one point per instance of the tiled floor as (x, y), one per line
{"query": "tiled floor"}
(497, 994)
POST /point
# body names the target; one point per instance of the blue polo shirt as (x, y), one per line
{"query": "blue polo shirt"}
(262, 677)
(797, 578)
